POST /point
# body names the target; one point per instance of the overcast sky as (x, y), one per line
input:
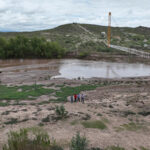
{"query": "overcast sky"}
(31, 15)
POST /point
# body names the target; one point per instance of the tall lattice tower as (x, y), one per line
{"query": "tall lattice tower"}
(109, 29)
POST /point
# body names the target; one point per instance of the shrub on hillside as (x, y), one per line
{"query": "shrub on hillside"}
(84, 54)
(79, 142)
(29, 139)
(61, 112)
(116, 148)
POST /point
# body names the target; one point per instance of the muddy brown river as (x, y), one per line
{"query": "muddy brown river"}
(34, 69)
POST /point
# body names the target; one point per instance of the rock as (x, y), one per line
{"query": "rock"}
(145, 40)
(145, 45)
(86, 117)
(19, 90)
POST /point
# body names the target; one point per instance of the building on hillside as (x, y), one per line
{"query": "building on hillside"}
(103, 34)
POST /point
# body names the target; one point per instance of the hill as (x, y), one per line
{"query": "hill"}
(88, 37)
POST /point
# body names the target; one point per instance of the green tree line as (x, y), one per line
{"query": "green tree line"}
(23, 47)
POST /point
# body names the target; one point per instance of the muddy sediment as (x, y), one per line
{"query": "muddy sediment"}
(31, 71)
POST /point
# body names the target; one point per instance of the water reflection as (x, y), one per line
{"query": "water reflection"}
(74, 68)
(71, 68)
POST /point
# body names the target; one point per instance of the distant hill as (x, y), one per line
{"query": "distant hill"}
(75, 36)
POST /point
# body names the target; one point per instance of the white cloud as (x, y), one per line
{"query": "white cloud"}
(29, 15)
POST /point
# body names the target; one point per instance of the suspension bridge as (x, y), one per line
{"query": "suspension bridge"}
(139, 53)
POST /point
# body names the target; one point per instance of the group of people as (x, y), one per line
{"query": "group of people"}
(77, 98)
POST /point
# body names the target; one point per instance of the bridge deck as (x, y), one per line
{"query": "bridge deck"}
(132, 51)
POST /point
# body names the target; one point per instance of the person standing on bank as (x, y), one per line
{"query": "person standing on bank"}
(71, 98)
(75, 97)
(82, 98)
(78, 97)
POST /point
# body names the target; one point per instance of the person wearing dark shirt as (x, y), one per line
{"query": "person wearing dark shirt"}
(71, 98)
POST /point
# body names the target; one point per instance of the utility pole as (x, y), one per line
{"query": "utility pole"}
(109, 29)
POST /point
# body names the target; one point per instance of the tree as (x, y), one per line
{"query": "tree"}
(23, 47)
(3, 44)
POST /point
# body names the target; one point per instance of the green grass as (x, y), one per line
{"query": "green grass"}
(46, 119)
(129, 112)
(12, 121)
(92, 46)
(131, 127)
(99, 114)
(31, 92)
(28, 92)
(60, 85)
(143, 148)
(74, 122)
(6, 113)
(115, 148)
(4, 104)
(15, 121)
(144, 113)
(105, 120)
(79, 142)
(68, 91)
(44, 102)
(98, 124)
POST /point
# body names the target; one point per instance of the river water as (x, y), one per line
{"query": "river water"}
(70, 68)
(74, 68)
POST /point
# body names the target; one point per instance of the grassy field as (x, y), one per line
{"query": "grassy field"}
(32, 92)
(23, 92)
(68, 91)
(18, 93)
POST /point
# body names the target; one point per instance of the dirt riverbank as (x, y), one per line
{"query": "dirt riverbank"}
(123, 105)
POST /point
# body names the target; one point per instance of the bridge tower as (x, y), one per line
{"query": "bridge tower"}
(109, 29)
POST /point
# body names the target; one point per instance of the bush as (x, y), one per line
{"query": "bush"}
(127, 113)
(56, 147)
(94, 124)
(83, 54)
(144, 113)
(29, 139)
(133, 126)
(95, 148)
(46, 119)
(79, 143)
(12, 121)
(86, 117)
(116, 148)
(23, 47)
(143, 148)
(61, 112)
